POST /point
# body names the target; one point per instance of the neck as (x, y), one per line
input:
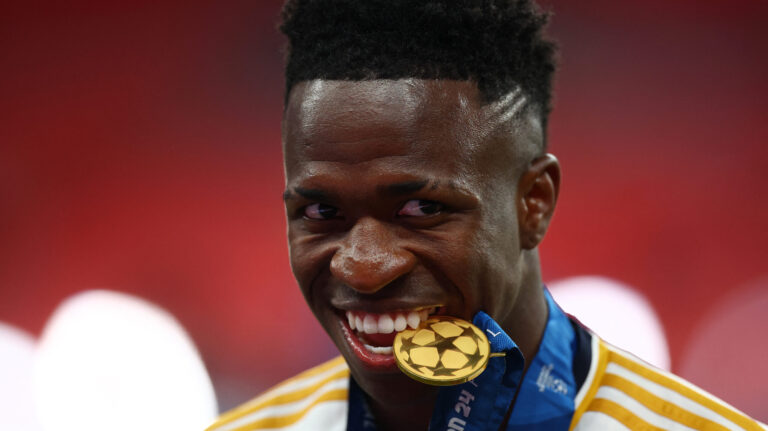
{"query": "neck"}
(527, 320)
(398, 402)
(411, 417)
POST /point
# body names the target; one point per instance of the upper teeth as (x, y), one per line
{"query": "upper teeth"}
(374, 323)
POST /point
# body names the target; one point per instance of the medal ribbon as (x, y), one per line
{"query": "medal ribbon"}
(546, 398)
(482, 403)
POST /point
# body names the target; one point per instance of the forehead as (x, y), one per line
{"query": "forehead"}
(439, 123)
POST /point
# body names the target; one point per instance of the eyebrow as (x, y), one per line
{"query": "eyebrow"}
(308, 194)
(404, 188)
(396, 189)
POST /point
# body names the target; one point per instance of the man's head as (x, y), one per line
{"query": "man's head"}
(417, 180)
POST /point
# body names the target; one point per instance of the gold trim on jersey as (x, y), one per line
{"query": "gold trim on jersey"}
(293, 390)
(626, 417)
(697, 396)
(284, 421)
(648, 397)
(599, 355)
(661, 406)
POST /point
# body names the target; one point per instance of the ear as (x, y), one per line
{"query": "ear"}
(537, 193)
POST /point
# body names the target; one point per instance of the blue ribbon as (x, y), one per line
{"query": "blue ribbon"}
(482, 403)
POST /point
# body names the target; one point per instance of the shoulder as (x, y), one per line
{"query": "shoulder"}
(622, 392)
(315, 398)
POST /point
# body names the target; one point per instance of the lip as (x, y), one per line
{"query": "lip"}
(373, 361)
(381, 306)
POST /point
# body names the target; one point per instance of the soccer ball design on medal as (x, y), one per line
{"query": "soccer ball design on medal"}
(444, 351)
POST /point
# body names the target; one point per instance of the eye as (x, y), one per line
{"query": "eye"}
(420, 208)
(320, 212)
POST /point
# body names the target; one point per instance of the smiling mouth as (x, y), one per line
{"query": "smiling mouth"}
(371, 335)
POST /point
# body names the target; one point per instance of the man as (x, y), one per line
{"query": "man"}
(418, 184)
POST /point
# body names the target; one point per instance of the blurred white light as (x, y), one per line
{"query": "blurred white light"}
(109, 361)
(727, 352)
(17, 402)
(617, 313)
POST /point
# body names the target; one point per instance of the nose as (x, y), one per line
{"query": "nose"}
(369, 257)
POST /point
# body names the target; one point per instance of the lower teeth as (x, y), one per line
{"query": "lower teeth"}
(387, 350)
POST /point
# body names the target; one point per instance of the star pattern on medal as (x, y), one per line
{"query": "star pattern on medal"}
(443, 350)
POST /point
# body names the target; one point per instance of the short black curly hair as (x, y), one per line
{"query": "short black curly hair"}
(498, 44)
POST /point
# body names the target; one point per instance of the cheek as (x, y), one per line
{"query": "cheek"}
(459, 256)
(498, 255)
(501, 231)
(308, 274)
(307, 259)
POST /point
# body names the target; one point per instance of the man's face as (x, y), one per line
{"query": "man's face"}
(401, 202)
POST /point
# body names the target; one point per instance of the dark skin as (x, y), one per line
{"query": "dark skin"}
(412, 193)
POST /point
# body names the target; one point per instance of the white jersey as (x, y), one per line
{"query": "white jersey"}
(624, 393)
(314, 400)
(620, 393)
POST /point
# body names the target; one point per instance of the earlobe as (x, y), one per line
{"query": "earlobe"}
(537, 193)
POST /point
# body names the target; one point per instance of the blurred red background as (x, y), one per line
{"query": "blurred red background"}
(140, 151)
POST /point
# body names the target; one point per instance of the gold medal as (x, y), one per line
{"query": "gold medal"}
(444, 351)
